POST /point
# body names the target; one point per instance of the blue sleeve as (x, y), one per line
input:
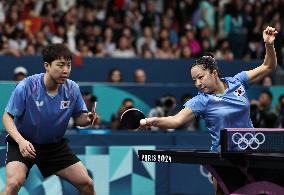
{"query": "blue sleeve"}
(17, 102)
(197, 104)
(80, 105)
(243, 78)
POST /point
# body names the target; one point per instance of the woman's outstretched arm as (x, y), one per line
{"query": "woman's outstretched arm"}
(170, 122)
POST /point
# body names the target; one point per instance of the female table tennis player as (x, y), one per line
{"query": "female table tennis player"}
(222, 102)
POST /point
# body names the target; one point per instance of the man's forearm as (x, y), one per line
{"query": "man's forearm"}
(11, 128)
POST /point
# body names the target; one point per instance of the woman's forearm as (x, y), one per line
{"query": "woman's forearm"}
(270, 59)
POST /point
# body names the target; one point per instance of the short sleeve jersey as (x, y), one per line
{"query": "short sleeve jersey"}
(228, 110)
(40, 117)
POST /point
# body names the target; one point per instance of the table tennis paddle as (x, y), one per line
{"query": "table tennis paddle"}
(130, 119)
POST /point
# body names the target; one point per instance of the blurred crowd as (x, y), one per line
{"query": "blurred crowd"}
(165, 29)
(232, 29)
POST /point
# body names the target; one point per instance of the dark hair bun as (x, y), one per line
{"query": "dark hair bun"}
(208, 62)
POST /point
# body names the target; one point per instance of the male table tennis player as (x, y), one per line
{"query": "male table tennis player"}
(36, 118)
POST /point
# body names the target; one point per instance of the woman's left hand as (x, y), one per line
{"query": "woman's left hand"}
(269, 35)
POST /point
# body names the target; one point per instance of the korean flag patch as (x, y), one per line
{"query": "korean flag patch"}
(64, 104)
(240, 91)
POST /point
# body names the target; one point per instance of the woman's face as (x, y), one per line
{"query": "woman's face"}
(204, 80)
(116, 76)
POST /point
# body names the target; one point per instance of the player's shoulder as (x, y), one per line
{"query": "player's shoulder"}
(240, 78)
(236, 78)
(70, 85)
(31, 83)
(32, 79)
(201, 97)
(198, 102)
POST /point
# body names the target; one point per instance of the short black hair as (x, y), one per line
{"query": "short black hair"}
(208, 62)
(54, 52)
(127, 100)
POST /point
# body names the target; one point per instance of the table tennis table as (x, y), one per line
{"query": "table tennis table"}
(237, 172)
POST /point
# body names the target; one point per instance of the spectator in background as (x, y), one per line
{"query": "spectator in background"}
(255, 49)
(108, 39)
(186, 52)
(114, 76)
(261, 113)
(167, 23)
(280, 112)
(127, 103)
(191, 125)
(60, 35)
(100, 52)
(147, 52)
(125, 49)
(140, 76)
(234, 28)
(165, 50)
(223, 51)
(20, 73)
(90, 101)
(146, 39)
(85, 51)
(30, 50)
(267, 81)
(192, 41)
(165, 107)
(41, 22)
(151, 17)
(206, 14)
(5, 48)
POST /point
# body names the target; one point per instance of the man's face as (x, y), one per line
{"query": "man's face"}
(59, 70)
(140, 76)
(264, 100)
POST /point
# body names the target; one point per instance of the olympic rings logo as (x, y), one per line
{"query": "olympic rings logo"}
(248, 140)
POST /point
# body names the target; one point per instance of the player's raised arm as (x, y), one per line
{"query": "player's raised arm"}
(270, 61)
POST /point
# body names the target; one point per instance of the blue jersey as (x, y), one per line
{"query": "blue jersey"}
(228, 110)
(40, 117)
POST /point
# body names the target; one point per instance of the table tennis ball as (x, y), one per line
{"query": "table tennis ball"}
(143, 122)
